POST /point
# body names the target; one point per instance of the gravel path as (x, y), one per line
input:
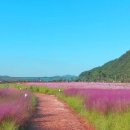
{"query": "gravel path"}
(54, 115)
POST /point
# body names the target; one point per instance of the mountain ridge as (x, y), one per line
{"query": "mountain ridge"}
(38, 79)
(117, 70)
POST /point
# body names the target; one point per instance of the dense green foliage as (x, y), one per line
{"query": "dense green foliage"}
(117, 70)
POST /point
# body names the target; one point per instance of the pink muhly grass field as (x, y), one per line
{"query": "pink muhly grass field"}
(103, 100)
(80, 85)
(14, 105)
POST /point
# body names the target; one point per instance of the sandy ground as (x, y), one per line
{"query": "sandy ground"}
(52, 114)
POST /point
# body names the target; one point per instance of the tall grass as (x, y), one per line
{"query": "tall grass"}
(15, 108)
(103, 100)
(104, 109)
(78, 99)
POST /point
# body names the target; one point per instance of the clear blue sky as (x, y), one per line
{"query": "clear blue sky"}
(58, 37)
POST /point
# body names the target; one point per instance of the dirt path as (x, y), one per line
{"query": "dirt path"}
(54, 115)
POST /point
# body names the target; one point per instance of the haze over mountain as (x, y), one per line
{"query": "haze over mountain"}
(117, 70)
(39, 79)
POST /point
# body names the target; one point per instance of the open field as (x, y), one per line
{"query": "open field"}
(104, 106)
(81, 85)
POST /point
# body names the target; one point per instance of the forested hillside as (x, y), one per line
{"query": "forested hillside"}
(117, 70)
